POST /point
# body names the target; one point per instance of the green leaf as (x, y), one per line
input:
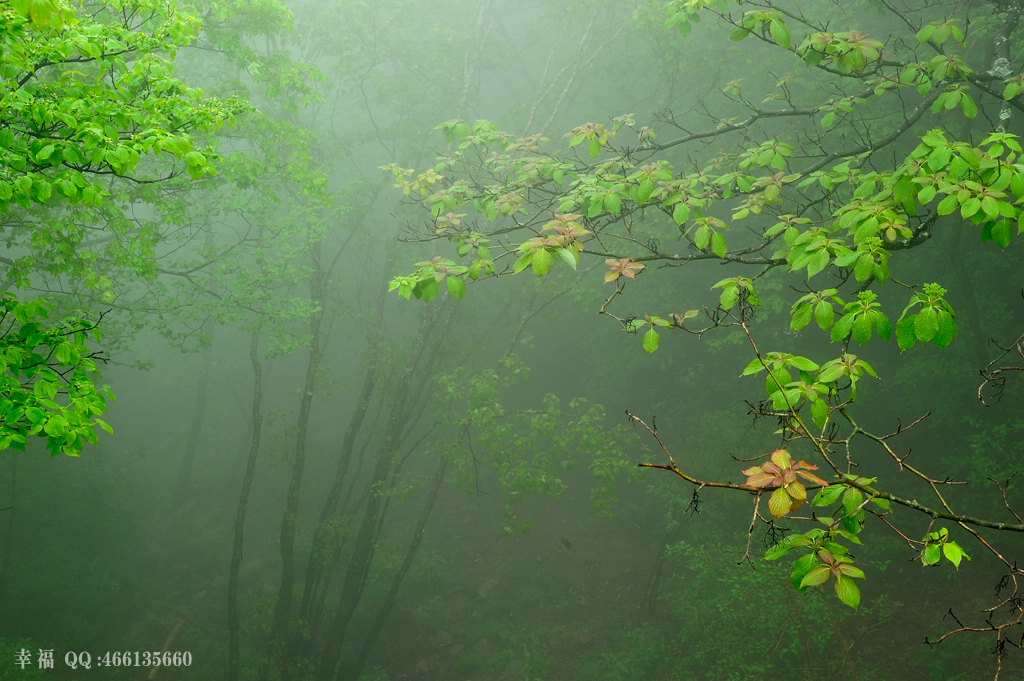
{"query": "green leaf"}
(970, 207)
(701, 237)
(523, 262)
(881, 324)
(819, 412)
(832, 371)
(593, 147)
(56, 426)
(968, 107)
(681, 213)
(753, 367)
(990, 207)
(801, 317)
(926, 324)
(63, 353)
(802, 363)
(776, 379)
(953, 553)
(818, 262)
(881, 503)
(738, 33)
(863, 268)
(848, 592)
(456, 287)
(852, 571)
(718, 244)
(427, 289)
(842, 328)
(568, 256)
(852, 499)
(801, 566)
(780, 503)
(730, 296)
(541, 262)
(815, 576)
(905, 333)
(813, 57)
(45, 153)
(947, 205)
(861, 330)
(827, 496)
(613, 203)
(651, 340)
(779, 32)
(1002, 233)
(778, 551)
(947, 329)
(644, 191)
(824, 314)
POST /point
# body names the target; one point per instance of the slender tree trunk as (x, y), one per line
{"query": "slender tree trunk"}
(318, 561)
(657, 572)
(243, 500)
(363, 547)
(195, 429)
(353, 671)
(283, 609)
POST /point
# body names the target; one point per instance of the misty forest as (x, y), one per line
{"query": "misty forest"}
(496, 340)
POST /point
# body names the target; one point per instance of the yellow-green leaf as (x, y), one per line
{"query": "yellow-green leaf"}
(651, 340)
(541, 262)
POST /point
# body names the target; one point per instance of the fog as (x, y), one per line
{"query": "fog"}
(311, 477)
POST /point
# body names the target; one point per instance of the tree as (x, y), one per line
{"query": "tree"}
(835, 193)
(89, 101)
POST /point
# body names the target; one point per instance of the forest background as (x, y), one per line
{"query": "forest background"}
(308, 477)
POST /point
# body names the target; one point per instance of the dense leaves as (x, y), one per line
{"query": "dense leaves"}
(46, 372)
(874, 154)
(88, 96)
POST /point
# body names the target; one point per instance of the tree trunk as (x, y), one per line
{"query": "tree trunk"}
(195, 429)
(243, 500)
(354, 670)
(363, 548)
(283, 609)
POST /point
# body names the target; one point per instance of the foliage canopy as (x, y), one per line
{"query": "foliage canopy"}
(833, 179)
(89, 99)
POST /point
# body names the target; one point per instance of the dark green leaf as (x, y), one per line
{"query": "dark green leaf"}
(827, 496)
(926, 324)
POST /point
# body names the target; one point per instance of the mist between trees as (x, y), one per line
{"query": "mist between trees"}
(568, 341)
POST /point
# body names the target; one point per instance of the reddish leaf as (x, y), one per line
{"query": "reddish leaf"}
(759, 478)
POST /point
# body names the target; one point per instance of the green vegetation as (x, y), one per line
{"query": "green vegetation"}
(769, 454)
(88, 96)
(877, 157)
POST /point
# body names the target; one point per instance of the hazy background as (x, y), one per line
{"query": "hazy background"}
(544, 553)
